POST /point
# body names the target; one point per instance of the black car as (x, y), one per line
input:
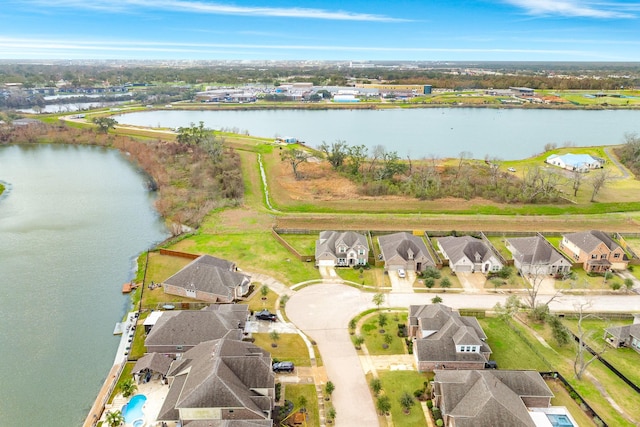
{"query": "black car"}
(266, 315)
(283, 367)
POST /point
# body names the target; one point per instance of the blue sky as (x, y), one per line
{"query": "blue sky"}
(429, 30)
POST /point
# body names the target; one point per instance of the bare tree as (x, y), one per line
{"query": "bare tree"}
(598, 181)
(584, 357)
(462, 156)
(576, 181)
(494, 169)
(535, 276)
(294, 158)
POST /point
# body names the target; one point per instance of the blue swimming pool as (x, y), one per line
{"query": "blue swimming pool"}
(558, 420)
(132, 411)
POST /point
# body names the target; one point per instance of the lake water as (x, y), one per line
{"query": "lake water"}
(442, 132)
(71, 225)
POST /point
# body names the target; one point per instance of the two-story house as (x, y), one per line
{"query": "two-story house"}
(442, 339)
(341, 249)
(596, 250)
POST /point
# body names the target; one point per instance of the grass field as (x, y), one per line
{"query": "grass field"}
(292, 393)
(374, 340)
(394, 384)
(290, 348)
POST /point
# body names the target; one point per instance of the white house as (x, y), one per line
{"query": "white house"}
(575, 162)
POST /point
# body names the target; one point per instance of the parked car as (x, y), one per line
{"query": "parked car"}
(491, 364)
(511, 169)
(283, 367)
(266, 315)
(401, 273)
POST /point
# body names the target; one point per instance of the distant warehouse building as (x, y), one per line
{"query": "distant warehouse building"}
(345, 98)
(415, 89)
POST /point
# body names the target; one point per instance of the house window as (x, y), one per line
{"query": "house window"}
(360, 251)
(462, 348)
(616, 256)
(179, 347)
(468, 348)
(603, 256)
(342, 249)
(594, 256)
(342, 261)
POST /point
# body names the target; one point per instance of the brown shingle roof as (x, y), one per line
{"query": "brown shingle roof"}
(154, 362)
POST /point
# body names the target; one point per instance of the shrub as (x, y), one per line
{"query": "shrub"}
(445, 283)
(432, 272)
(429, 282)
(439, 422)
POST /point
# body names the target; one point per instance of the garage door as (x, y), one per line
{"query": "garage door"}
(463, 268)
(325, 263)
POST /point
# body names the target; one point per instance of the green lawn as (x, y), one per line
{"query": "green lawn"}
(290, 348)
(562, 398)
(292, 392)
(255, 251)
(305, 244)
(394, 384)
(256, 303)
(625, 360)
(369, 277)
(561, 358)
(126, 373)
(444, 272)
(509, 350)
(498, 242)
(374, 339)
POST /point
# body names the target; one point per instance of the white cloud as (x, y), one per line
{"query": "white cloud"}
(194, 6)
(576, 8)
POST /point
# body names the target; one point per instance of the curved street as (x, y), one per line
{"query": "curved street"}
(323, 312)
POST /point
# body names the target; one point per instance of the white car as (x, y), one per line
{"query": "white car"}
(511, 169)
(401, 273)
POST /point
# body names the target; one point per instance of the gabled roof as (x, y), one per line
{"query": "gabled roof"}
(209, 274)
(461, 247)
(534, 250)
(221, 373)
(329, 240)
(624, 332)
(589, 240)
(189, 328)
(451, 330)
(229, 423)
(155, 362)
(405, 246)
(489, 398)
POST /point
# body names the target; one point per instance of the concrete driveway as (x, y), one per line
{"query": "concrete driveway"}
(402, 284)
(472, 282)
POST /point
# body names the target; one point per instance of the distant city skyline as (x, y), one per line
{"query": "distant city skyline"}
(440, 30)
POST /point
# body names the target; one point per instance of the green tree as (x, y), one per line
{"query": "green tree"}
(358, 340)
(264, 291)
(429, 282)
(275, 336)
(407, 402)
(105, 123)
(376, 386)
(388, 339)
(436, 300)
(382, 321)
(445, 283)
(383, 404)
(336, 153)
(302, 403)
(128, 387)
(328, 389)
(357, 156)
(294, 157)
(628, 284)
(114, 419)
(331, 414)
(378, 300)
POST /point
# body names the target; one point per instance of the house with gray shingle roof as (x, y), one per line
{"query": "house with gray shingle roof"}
(178, 331)
(152, 363)
(535, 255)
(624, 336)
(489, 398)
(404, 250)
(218, 380)
(468, 254)
(442, 339)
(596, 250)
(209, 279)
(341, 249)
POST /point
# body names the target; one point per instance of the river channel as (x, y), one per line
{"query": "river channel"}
(72, 222)
(508, 134)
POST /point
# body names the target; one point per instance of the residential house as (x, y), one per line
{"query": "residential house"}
(596, 250)
(490, 398)
(624, 336)
(468, 254)
(150, 364)
(442, 339)
(178, 331)
(341, 249)
(221, 381)
(535, 255)
(406, 251)
(209, 279)
(575, 162)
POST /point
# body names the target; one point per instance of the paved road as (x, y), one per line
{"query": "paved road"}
(323, 313)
